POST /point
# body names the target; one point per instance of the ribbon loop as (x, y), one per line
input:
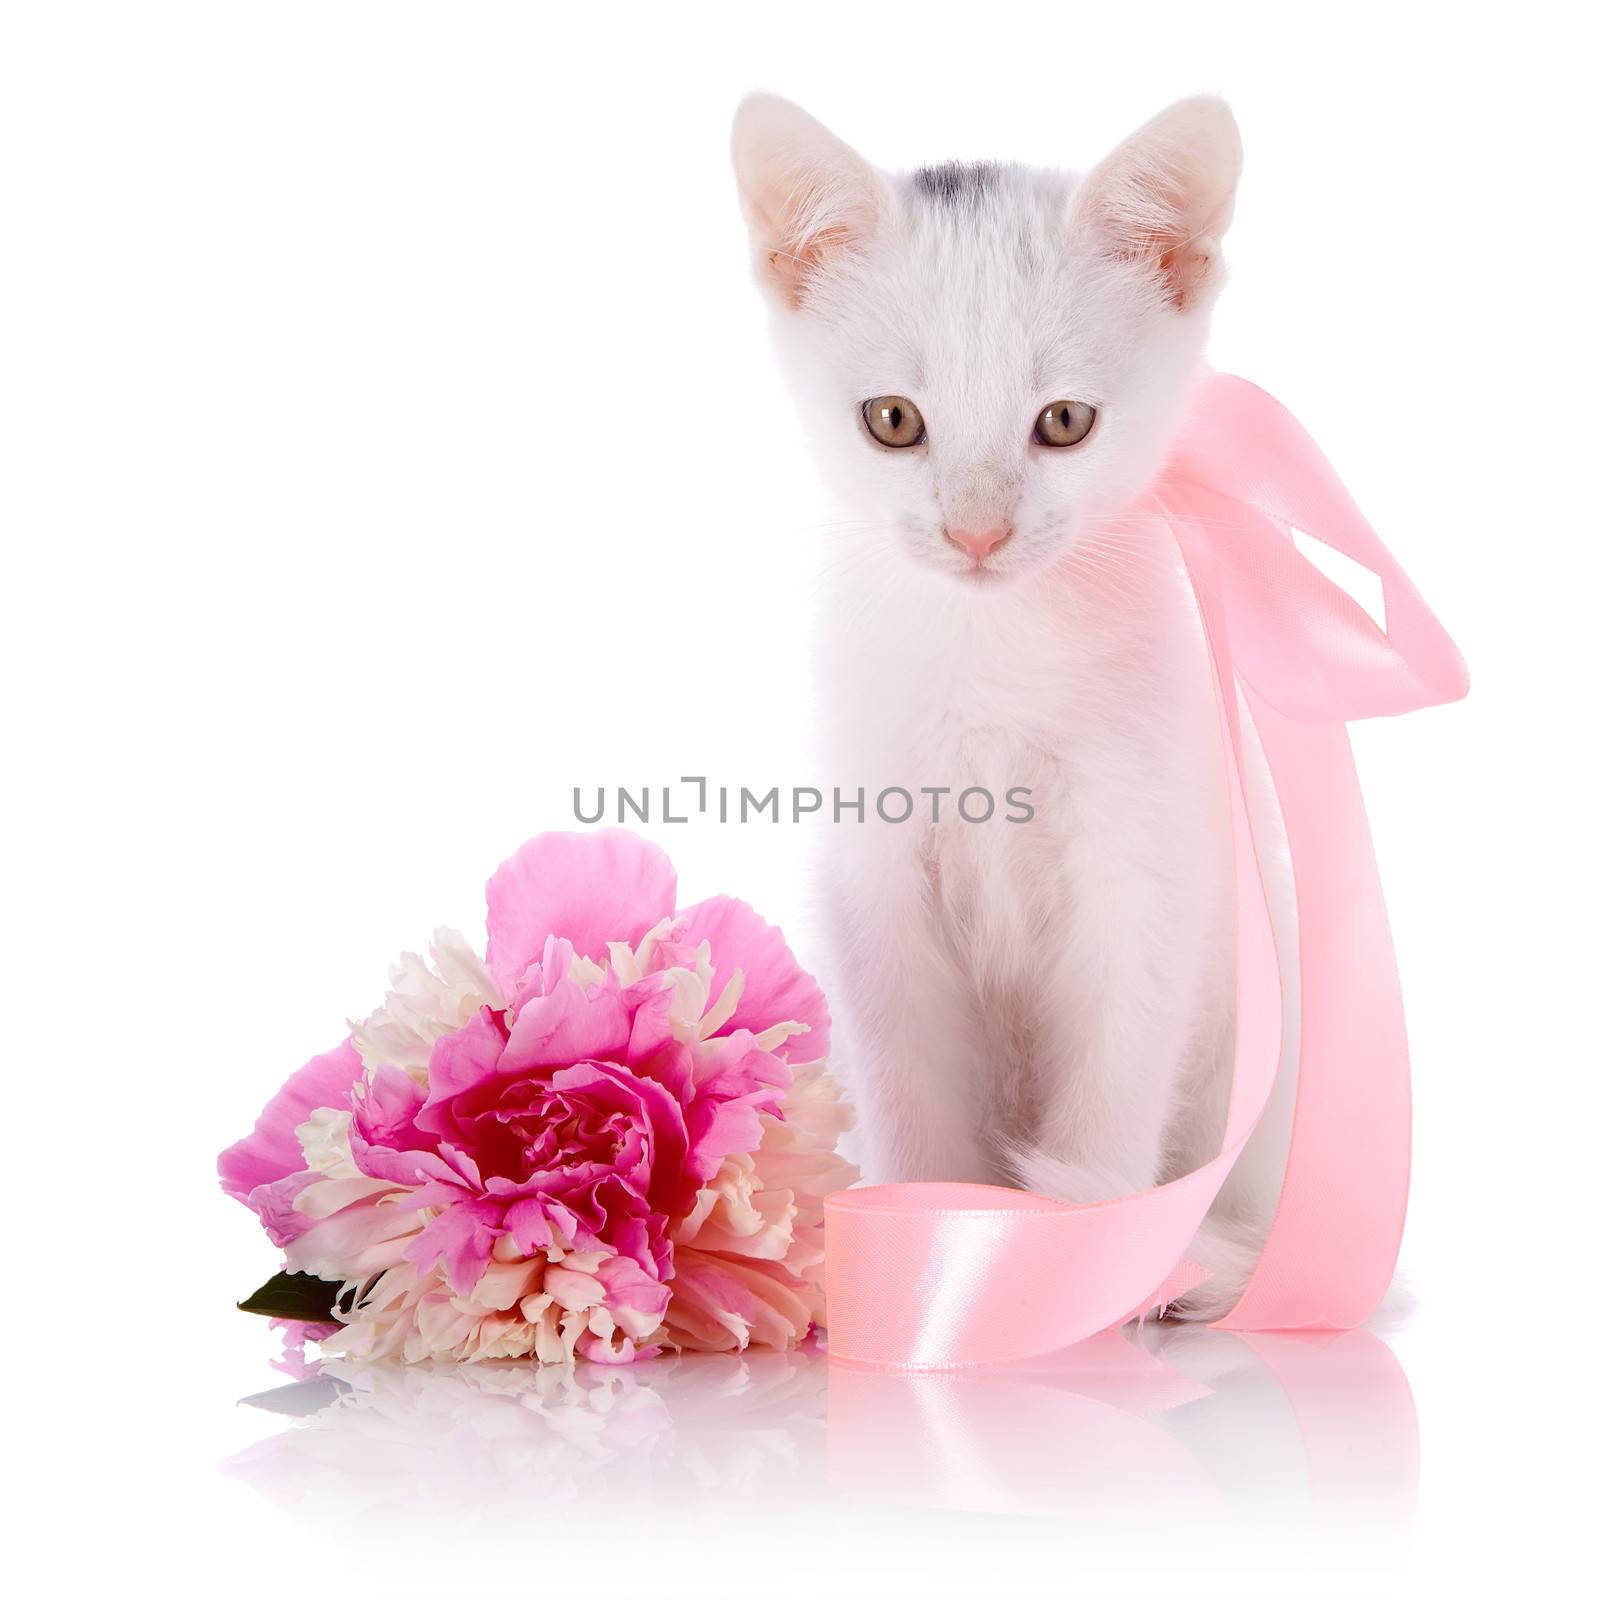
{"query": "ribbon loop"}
(1243, 477)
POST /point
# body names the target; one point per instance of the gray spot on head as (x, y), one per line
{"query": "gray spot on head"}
(953, 181)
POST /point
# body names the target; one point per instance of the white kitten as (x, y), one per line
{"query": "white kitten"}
(1046, 1003)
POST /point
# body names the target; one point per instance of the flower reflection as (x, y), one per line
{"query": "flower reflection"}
(470, 1443)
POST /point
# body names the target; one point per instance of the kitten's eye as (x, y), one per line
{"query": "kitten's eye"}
(1063, 423)
(892, 420)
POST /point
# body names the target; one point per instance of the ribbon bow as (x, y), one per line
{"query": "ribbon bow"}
(952, 1274)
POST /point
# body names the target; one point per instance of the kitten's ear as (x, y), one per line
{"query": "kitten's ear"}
(1164, 197)
(807, 196)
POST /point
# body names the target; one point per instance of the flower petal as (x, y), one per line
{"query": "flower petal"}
(274, 1204)
(464, 1059)
(776, 987)
(721, 1303)
(588, 888)
(566, 1025)
(386, 1109)
(272, 1151)
(354, 1242)
(463, 1235)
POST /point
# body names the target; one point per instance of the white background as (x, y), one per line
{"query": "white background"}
(389, 443)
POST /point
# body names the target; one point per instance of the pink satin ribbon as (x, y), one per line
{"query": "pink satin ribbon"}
(934, 1275)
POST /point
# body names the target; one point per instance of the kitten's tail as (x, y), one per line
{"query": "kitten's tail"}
(1229, 1251)
(1227, 1248)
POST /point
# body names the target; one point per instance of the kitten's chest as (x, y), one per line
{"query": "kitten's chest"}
(989, 704)
(1035, 748)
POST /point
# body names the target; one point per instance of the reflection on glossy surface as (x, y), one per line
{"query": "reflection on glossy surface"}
(1159, 1424)
(464, 1444)
(1163, 1419)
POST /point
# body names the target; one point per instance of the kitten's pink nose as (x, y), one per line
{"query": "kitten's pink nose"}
(978, 542)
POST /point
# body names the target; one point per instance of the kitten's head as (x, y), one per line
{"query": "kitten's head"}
(988, 358)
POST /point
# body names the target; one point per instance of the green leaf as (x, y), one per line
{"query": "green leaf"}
(299, 1296)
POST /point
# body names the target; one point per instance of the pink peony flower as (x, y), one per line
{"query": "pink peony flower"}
(581, 1144)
